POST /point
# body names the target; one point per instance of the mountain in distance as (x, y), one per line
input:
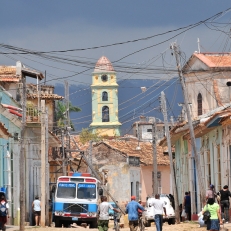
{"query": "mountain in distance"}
(132, 101)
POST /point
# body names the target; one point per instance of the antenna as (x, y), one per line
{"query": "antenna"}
(198, 43)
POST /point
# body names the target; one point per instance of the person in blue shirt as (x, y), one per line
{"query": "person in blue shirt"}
(187, 205)
(132, 211)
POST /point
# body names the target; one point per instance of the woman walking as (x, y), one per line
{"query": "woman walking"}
(215, 221)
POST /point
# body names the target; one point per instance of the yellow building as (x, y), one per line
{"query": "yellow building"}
(105, 119)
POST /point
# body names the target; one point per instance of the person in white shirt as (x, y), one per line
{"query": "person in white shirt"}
(103, 211)
(159, 208)
(36, 206)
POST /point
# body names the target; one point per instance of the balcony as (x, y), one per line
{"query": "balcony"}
(32, 115)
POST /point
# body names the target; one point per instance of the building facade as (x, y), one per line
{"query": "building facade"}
(207, 79)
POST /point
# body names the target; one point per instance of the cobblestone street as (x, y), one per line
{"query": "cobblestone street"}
(178, 227)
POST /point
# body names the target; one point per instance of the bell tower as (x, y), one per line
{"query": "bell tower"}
(104, 90)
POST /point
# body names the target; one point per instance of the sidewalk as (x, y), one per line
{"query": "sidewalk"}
(16, 228)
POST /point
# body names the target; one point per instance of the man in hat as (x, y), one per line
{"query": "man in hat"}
(132, 211)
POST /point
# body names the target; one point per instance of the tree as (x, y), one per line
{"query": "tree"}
(61, 109)
(87, 135)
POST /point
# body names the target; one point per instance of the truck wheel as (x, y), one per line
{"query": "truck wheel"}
(94, 224)
(147, 223)
(57, 223)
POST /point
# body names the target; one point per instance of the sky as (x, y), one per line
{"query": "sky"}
(61, 25)
(65, 25)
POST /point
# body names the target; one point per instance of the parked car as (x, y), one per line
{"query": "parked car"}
(149, 216)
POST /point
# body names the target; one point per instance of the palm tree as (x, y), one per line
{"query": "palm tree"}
(61, 109)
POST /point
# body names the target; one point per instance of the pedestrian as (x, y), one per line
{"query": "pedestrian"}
(172, 200)
(187, 206)
(210, 193)
(159, 208)
(103, 213)
(116, 219)
(4, 206)
(215, 217)
(224, 201)
(132, 211)
(36, 207)
(180, 212)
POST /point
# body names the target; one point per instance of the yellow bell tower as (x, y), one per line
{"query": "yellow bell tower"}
(105, 120)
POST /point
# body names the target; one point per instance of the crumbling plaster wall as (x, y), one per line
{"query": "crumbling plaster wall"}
(118, 175)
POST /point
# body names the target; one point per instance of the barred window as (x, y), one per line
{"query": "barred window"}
(199, 104)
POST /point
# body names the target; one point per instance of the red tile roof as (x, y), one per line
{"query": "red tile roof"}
(44, 96)
(128, 148)
(8, 74)
(215, 59)
(103, 65)
(4, 132)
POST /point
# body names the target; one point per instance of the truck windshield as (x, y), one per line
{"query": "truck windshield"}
(86, 191)
(66, 190)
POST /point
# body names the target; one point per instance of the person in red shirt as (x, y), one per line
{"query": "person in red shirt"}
(3, 212)
(139, 210)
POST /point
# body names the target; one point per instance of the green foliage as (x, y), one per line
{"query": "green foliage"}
(61, 113)
(86, 136)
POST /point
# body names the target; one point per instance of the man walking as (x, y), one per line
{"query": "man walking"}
(224, 199)
(158, 207)
(132, 211)
(103, 211)
(187, 205)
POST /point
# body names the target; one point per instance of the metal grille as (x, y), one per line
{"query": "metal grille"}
(75, 208)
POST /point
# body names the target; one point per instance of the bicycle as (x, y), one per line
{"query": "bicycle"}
(116, 217)
(141, 223)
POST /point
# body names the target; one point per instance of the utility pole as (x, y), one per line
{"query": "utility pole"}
(155, 180)
(22, 156)
(175, 48)
(47, 171)
(164, 111)
(43, 164)
(90, 155)
(63, 152)
(68, 123)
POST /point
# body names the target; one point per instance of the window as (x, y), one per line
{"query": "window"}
(105, 114)
(218, 167)
(66, 190)
(137, 189)
(104, 96)
(131, 188)
(208, 168)
(86, 191)
(199, 104)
